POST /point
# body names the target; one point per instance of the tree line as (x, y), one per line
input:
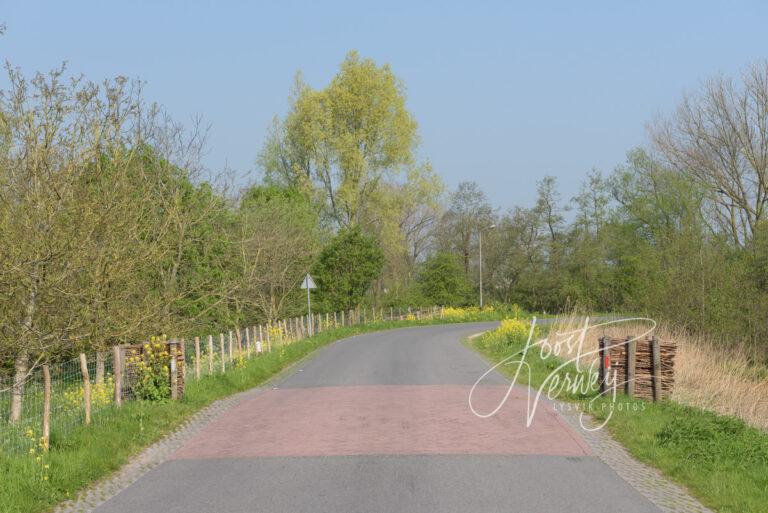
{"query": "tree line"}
(113, 231)
(677, 232)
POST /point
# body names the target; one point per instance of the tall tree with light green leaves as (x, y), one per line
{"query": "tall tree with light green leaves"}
(342, 142)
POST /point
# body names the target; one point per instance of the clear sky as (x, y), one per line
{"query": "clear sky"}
(504, 93)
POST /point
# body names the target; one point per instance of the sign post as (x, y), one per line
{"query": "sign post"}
(309, 284)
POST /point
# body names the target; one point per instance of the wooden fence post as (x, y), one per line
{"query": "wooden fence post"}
(117, 369)
(197, 358)
(230, 345)
(631, 353)
(221, 348)
(603, 368)
(86, 387)
(656, 368)
(173, 347)
(248, 343)
(210, 354)
(46, 406)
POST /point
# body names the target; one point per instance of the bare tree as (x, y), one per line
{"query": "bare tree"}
(548, 206)
(468, 211)
(720, 137)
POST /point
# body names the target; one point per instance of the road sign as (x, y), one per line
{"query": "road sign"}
(308, 283)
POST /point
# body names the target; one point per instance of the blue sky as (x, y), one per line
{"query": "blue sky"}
(504, 93)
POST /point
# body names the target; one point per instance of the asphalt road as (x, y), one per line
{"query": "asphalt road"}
(381, 423)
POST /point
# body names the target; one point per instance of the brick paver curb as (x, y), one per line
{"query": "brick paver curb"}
(102, 491)
(666, 495)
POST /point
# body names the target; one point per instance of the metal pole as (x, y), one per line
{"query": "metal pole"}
(480, 233)
(309, 311)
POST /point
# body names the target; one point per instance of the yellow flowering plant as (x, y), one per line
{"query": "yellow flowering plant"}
(38, 452)
(101, 394)
(510, 332)
(149, 375)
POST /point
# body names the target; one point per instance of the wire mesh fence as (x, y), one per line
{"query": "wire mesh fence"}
(74, 400)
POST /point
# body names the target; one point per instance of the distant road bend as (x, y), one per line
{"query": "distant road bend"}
(381, 423)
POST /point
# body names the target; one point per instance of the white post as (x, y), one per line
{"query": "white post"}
(480, 234)
(309, 312)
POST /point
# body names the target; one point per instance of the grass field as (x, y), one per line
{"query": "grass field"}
(719, 459)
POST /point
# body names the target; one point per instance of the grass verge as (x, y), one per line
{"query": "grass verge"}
(32, 483)
(721, 460)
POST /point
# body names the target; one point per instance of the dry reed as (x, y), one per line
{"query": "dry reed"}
(709, 373)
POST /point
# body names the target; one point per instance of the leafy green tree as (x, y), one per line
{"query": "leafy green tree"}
(344, 141)
(278, 236)
(346, 268)
(443, 282)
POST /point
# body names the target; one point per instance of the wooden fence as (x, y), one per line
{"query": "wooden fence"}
(69, 393)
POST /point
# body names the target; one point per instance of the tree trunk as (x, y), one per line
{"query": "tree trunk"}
(100, 368)
(21, 363)
(20, 369)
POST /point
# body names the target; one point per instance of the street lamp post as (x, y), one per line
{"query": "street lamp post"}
(480, 234)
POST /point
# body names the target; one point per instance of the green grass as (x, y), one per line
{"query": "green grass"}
(88, 454)
(720, 460)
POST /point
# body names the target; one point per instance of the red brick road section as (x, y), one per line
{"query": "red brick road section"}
(382, 419)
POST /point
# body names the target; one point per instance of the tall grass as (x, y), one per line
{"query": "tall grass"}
(710, 373)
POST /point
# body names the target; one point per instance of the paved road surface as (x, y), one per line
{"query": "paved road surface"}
(381, 423)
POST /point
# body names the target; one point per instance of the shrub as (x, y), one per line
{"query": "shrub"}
(443, 282)
(150, 372)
